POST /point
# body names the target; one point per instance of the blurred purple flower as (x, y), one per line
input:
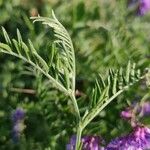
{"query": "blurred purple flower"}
(18, 115)
(18, 123)
(17, 130)
(127, 113)
(72, 143)
(136, 109)
(144, 109)
(132, 2)
(144, 7)
(88, 143)
(139, 139)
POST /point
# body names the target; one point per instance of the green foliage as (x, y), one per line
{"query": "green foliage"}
(105, 92)
(26, 53)
(104, 36)
(65, 58)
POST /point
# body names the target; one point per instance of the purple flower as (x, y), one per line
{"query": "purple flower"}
(18, 123)
(17, 130)
(132, 2)
(127, 113)
(88, 143)
(139, 139)
(18, 115)
(136, 109)
(72, 143)
(144, 109)
(144, 7)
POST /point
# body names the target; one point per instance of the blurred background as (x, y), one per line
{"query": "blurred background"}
(105, 33)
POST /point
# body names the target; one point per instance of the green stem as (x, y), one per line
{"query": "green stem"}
(95, 111)
(74, 101)
(78, 140)
(90, 117)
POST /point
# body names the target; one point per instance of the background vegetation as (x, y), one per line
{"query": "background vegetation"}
(106, 34)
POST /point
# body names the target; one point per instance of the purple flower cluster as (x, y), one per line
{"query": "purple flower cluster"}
(144, 7)
(18, 123)
(138, 139)
(88, 143)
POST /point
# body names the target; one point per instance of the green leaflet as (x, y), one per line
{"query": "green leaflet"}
(41, 62)
(5, 47)
(8, 41)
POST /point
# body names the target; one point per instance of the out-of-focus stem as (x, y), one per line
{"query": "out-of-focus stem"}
(78, 140)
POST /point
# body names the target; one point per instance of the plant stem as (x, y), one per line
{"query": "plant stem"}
(95, 111)
(19, 90)
(79, 129)
(78, 139)
(90, 117)
(74, 102)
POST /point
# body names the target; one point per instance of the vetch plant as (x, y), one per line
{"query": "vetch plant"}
(60, 70)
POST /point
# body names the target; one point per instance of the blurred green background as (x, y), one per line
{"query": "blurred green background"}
(106, 34)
